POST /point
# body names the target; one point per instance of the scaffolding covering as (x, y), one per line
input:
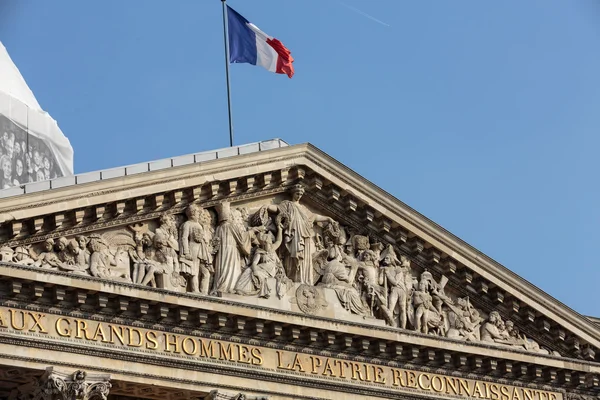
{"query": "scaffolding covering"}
(32, 146)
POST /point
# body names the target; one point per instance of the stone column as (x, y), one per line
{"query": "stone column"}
(60, 385)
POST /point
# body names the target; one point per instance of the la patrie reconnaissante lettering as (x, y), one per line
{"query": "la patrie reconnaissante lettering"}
(129, 337)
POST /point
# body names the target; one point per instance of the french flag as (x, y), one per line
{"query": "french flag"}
(248, 44)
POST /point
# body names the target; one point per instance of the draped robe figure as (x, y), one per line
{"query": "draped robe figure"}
(234, 245)
(299, 242)
(339, 274)
(265, 264)
(299, 237)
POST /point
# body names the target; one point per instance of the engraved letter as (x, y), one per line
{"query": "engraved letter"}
(244, 350)
(81, 326)
(151, 338)
(100, 333)
(14, 323)
(175, 343)
(422, 384)
(191, 348)
(298, 364)
(378, 377)
(494, 392)
(328, 370)
(398, 377)
(37, 322)
(477, 391)
(67, 330)
(257, 360)
(140, 338)
(451, 384)
(207, 350)
(504, 391)
(119, 334)
(316, 363)
(440, 384)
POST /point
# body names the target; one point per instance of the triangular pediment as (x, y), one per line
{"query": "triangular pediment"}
(232, 228)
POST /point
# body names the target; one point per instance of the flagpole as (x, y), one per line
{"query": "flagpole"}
(226, 41)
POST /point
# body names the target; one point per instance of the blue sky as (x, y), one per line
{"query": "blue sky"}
(483, 116)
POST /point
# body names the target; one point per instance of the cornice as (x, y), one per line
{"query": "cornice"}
(147, 183)
(33, 290)
(188, 183)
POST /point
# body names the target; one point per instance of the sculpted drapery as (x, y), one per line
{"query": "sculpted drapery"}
(299, 242)
(299, 237)
(234, 246)
(257, 251)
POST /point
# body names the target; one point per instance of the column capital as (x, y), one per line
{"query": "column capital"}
(61, 385)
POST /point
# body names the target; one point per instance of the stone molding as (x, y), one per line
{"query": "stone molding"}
(347, 185)
(421, 351)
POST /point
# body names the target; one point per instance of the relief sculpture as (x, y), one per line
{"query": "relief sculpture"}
(281, 251)
(398, 282)
(234, 245)
(265, 263)
(298, 236)
(196, 258)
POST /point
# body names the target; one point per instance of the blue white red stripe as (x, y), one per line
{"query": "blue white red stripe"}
(248, 44)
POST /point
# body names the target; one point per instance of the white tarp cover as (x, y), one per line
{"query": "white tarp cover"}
(32, 146)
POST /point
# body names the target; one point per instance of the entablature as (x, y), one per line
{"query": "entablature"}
(336, 192)
(27, 294)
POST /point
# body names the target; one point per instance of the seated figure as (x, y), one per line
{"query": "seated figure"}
(103, 264)
(265, 264)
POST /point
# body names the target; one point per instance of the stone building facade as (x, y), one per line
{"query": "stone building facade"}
(265, 271)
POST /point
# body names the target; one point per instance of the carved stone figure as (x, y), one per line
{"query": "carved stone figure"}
(360, 244)
(64, 255)
(47, 258)
(338, 271)
(168, 228)
(493, 329)
(69, 256)
(423, 303)
(165, 267)
(298, 236)
(464, 321)
(264, 264)
(142, 257)
(506, 333)
(154, 260)
(398, 283)
(234, 244)
(6, 254)
(22, 256)
(82, 258)
(373, 291)
(195, 252)
(103, 264)
(427, 302)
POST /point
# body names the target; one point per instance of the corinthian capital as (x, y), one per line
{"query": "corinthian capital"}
(60, 385)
